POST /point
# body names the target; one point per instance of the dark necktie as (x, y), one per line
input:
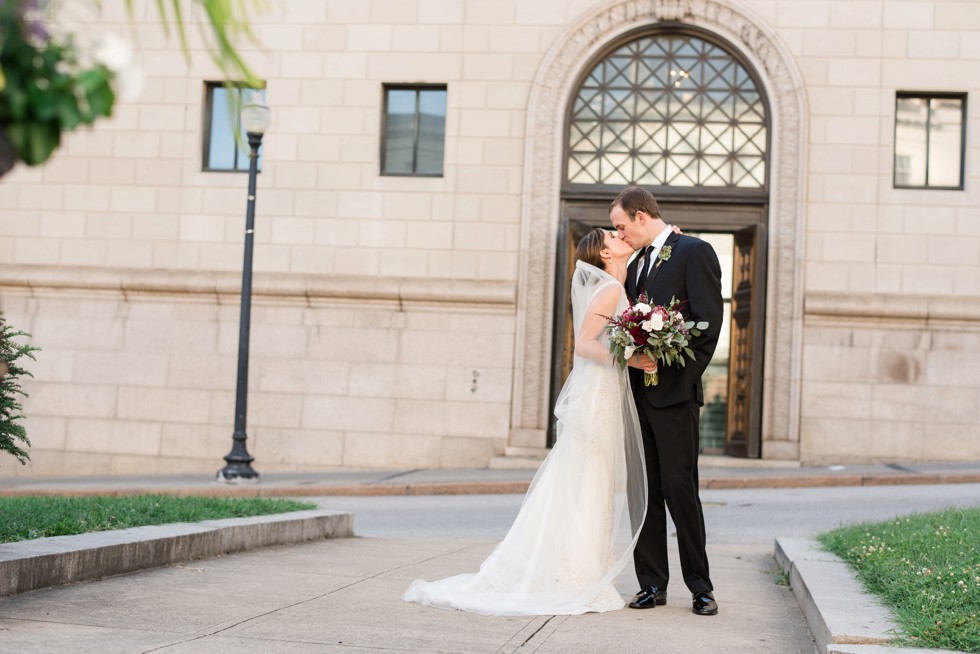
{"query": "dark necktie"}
(647, 256)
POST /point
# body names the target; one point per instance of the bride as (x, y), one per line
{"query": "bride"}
(562, 554)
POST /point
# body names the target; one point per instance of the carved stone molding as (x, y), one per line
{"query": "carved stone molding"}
(551, 91)
(227, 286)
(863, 308)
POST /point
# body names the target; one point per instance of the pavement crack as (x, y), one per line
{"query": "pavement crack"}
(87, 624)
(536, 631)
(901, 468)
(522, 640)
(502, 648)
(395, 475)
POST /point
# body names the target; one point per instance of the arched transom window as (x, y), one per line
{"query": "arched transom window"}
(668, 109)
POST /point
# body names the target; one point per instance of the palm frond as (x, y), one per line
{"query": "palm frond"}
(227, 21)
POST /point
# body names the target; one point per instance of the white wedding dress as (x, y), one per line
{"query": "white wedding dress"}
(580, 519)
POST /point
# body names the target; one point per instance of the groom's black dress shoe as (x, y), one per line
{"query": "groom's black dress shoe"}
(648, 598)
(704, 604)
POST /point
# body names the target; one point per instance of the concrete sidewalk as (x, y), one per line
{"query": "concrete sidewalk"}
(343, 595)
(715, 472)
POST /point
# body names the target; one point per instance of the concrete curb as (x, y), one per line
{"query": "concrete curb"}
(308, 490)
(837, 608)
(33, 564)
(881, 649)
(843, 617)
(819, 481)
(485, 487)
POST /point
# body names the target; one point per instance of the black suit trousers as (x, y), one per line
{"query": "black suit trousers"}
(670, 442)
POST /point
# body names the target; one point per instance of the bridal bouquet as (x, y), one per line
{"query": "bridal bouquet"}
(660, 332)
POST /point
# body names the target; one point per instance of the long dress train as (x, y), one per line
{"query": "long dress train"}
(582, 513)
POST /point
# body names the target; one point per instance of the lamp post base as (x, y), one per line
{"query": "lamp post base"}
(237, 473)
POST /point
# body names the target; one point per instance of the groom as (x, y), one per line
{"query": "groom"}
(670, 265)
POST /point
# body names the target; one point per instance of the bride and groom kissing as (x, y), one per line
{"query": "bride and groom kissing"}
(625, 452)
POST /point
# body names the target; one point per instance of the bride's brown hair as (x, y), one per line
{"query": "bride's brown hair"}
(590, 246)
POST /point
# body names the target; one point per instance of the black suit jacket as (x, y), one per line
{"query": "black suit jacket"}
(692, 273)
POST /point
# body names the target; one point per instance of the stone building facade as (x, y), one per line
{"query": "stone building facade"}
(415, 321)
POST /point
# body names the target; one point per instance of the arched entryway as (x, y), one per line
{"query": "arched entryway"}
(678, 110)
(553, 90)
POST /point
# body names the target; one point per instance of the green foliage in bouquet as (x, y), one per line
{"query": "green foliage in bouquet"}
(673, 345)
(619, 340)
(12, 433)
(658, 332)
(44, 91)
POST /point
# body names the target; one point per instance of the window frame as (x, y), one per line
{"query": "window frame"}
(929, 96)
(571, 190)
(209, 87)
(385, 87)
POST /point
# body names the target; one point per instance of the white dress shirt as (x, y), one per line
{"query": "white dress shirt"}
(654, 251)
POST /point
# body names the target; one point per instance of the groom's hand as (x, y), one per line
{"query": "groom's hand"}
(643, 362)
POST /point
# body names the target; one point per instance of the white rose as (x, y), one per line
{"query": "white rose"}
(642, 308)
(656, 323)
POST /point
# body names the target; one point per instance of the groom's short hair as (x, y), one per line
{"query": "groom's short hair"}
(634, 198)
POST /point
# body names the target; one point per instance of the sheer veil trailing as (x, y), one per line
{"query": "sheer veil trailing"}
(581, 517)
(629, 505)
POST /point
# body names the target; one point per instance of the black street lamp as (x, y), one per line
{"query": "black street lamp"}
(255, 120)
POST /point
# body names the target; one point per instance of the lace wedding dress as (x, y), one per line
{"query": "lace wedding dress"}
(580, 519)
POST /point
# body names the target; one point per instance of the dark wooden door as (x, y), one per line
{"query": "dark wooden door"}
(744, 429)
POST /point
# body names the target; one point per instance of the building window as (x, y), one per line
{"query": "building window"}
(222, 121)
(668, 109)
(930, 133)
(414, 130)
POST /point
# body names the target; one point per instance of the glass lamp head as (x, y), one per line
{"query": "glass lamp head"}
(255, 117)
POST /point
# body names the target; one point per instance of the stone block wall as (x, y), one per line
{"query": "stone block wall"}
(904, 386)
(134, 379)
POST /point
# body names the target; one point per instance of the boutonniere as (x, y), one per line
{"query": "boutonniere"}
(662, 256)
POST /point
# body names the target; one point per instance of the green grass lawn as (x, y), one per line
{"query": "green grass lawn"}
(926, 568)
(23, 518)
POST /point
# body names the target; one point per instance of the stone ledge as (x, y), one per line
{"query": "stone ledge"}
(891, 307)
(425, 291)
(43, 562)
(837, 608)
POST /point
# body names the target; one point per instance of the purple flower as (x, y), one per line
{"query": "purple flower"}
(29, 12)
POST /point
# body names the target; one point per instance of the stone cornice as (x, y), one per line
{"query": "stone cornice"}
(868, 306)
(418, 291)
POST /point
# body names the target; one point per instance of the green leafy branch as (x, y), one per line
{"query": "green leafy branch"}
(12, 433)
(45, 93)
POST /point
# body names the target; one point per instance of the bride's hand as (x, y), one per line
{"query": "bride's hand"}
(676, 229)
(643, 362)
